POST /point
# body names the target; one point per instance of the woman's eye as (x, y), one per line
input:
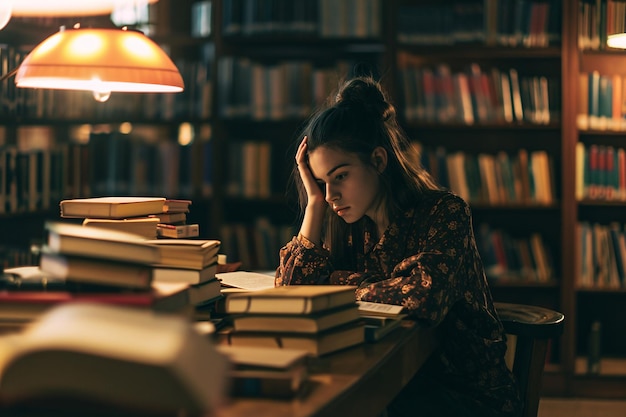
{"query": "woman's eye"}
(341, 176)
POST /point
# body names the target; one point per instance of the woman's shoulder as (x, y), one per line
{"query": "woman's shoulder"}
(438, 197)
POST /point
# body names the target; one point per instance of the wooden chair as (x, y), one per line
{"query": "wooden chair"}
(529, 328)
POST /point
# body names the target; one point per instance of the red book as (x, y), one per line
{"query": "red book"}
(24, 306)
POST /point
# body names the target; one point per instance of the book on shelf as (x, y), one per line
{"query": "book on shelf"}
(189, 276)
(111, 207)
(297, 299)
(72, 239)
(186, 253)
(296, 323)
(316, 344)
(145, 227)
(266, 372)
(96, 270)
(178, 231)
(143, 362)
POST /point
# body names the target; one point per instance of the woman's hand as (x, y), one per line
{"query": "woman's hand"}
(316, 203)
(314, 193)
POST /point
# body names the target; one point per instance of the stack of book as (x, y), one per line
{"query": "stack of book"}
(317, 318)
(173, 221)
(128, 214)
(189, 261)
(89, 265)
(266, 372)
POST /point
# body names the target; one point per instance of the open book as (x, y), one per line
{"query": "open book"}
(114, 356)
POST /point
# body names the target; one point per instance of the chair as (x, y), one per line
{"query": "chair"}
(528, 329)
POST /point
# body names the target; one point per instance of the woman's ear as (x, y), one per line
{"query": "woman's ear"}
(379, 158)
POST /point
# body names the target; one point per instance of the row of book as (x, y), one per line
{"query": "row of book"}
(440, 95)
(324, 18)
(514, 23)
(597, 20)
(108, 164)
(600, 172)
(513, 258)
(526, 177)
(288, 89)
(194, 102)
(601, 255)
(256, 245)
(250, 169)
(601, 101)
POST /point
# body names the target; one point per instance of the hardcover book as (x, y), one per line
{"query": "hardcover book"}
(111, 207)
(266, 372)
(178, 231)
(96, 270)
(186, 253)
(297, 299)
(145, 227)
(297, 323)
(21, 307)
(189, 276)
(316, 344)
(71, 239)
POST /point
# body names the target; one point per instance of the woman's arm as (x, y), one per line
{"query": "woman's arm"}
(430, 282)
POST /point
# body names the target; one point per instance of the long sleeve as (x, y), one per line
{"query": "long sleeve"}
(429, 281)
(302, 263)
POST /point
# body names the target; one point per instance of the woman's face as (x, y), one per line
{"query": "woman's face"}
(350, 186)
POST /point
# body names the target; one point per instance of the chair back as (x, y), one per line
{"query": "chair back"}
(529, 329)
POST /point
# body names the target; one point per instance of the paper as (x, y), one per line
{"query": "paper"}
(251, 281)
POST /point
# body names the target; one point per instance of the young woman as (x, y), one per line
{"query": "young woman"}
(374, 218)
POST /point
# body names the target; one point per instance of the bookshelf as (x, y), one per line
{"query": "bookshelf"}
(313, 43)
(597, 203)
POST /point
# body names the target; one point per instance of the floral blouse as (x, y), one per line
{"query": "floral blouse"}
(428, 262)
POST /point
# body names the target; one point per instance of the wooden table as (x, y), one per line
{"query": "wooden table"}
(359, 381)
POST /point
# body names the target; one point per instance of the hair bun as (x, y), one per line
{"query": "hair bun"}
(367, 93)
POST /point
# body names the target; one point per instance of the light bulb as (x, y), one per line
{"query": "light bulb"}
(101, 96)
(5, 13)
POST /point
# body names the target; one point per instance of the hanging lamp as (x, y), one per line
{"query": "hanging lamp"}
(99, 60)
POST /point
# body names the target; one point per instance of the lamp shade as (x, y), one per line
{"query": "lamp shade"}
(104, 60)
(37, 8)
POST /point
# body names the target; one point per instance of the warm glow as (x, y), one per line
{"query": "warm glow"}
(36, 8)
(617, 40)
(101, 60)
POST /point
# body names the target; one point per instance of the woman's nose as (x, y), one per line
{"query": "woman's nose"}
(331, 194)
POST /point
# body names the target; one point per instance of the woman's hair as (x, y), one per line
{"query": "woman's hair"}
(359, 120)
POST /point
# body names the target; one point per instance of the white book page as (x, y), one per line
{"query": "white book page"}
(251, 281)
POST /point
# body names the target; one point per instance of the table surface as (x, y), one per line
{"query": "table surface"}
(360, 380)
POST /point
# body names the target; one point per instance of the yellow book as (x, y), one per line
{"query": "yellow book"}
(111, 207)
(297, 299)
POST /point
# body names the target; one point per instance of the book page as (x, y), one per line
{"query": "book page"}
(368, 308)
(251, 281)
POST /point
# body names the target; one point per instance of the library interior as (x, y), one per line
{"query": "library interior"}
(157, 179)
